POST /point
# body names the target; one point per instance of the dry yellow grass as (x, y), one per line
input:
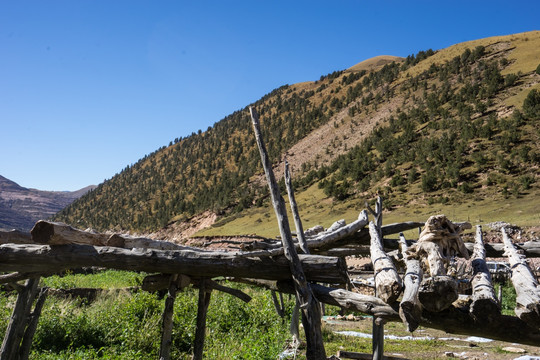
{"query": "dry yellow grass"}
(374, 63)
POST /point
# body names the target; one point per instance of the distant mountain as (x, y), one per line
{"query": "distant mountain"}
(21, 207)
(452, 126)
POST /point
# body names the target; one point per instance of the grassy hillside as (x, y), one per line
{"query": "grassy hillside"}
(438, 131)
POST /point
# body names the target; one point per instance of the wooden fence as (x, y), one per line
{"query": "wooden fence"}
(423, 294)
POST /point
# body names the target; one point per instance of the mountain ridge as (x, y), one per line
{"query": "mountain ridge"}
(21, 208)
(461, 107)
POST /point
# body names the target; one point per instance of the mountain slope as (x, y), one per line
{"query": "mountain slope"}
(436, 127)
(20, 207)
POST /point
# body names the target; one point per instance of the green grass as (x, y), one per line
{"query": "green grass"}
(317, 209)
(126, 325)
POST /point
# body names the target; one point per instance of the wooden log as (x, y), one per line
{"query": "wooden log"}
(280, 310)
(202, 309)
(410, 309)
(167, 320)
(294, 211)
(531, 249)
(157, 282)
(50, 259)
(362, 236)
(504, 328)
(18, 321)
(24, 351)
(15, 237)
(353, 234)
(452, 320)
(388, 284)
(212, 285)
(55, 233)
(18, 276)
(485, 304)
(438, 293)
(130, 242)
(375, 231)
(311, 318)
(527, 288)
(348, 300)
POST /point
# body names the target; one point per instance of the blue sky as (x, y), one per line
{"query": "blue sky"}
(89, 87)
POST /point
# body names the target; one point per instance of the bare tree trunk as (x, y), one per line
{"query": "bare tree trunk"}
(202, 309)
(311, 317)
(484, 305)
(410, 309)
(18, 321)
(527, 288)
(294, 211)
(167, 320)
(26, 344)
(387, 281)
(51, 259)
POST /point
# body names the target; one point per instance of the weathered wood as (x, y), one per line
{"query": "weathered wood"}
(377, 341)
(452, 320)
(212, 285)
(345, 299)
(202, 309)
(504, 328)
(44, 258)
(55, 233)
(438, 292)
(18, 321)
(527, 288)
(388, 284)
(26, 344)
(157, 282)
(353, 235)
(294, 211)
(167, 320)
(277, 305)
(15, 237)
(438, 242)
(484, 305)
(18, 276)
(410, 309)
(375, 232)
(311, 317)
(531, 249)
(131, 242)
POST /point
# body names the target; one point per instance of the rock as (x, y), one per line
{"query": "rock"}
(514, 350)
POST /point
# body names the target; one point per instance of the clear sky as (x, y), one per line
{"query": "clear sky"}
(88, 87)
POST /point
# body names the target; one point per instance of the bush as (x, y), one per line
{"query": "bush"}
(531, 105)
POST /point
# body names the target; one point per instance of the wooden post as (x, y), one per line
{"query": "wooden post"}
(26, 343)
(527, 288)
(294, 211)
(167, 320)
(279, 307)
(202, 309)
(410, 308)
(387, 282)
(19, 320)
(484, 305)
(311, 316)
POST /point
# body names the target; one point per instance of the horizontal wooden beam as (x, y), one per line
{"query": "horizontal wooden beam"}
(44, 258)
